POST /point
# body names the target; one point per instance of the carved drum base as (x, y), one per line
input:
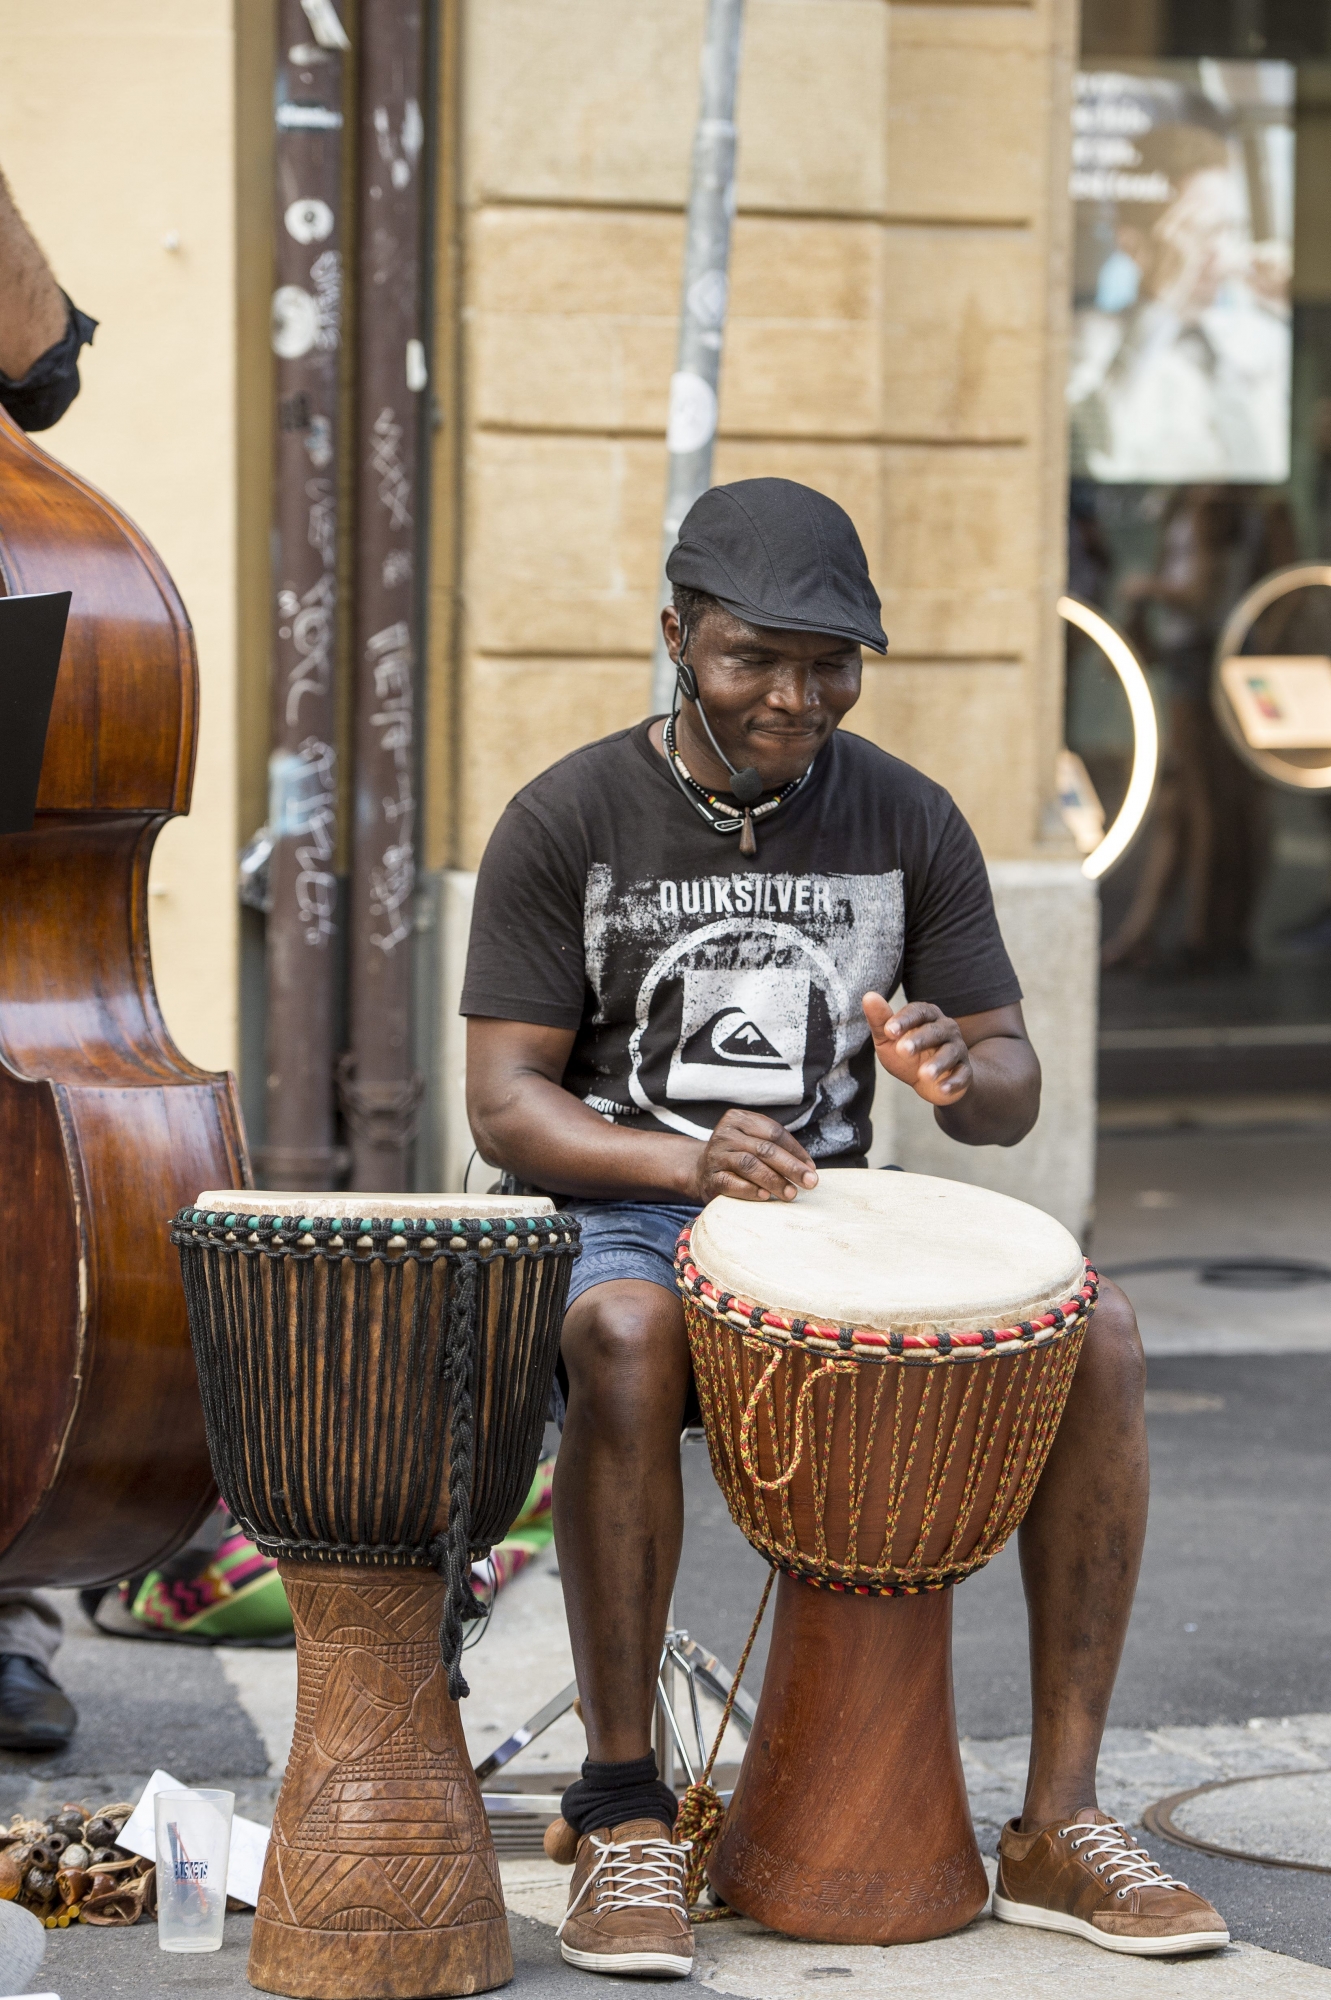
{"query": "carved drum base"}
(381, 1881)
(850, 1822)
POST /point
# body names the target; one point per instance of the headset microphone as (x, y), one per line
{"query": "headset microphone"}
(747, 786)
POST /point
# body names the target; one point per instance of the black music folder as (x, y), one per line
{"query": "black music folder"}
(32, 632)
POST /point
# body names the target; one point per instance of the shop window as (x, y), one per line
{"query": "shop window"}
(1200, 421)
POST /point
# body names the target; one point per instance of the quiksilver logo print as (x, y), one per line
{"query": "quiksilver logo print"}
(748, 991)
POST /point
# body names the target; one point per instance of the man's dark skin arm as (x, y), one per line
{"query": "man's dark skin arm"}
(980, 1073)
(32, 306)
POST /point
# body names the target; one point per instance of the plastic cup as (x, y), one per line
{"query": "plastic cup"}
(193, 1848)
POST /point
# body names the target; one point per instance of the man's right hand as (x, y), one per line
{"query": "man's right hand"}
(752, 1158)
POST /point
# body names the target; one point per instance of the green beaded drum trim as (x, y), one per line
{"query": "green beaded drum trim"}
(378, 1235)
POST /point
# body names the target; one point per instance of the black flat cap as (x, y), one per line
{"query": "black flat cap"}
(778, 554)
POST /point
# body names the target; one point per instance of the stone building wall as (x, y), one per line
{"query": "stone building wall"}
(896, 338)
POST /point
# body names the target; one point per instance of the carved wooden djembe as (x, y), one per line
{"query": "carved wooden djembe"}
(882, 1368)
(375, 1390)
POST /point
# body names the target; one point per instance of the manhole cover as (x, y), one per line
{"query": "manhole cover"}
(1282, 1818)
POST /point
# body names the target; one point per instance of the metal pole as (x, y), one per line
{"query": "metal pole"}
(663, 1739)
(692, 421)
(302, 767)
(380, 1092)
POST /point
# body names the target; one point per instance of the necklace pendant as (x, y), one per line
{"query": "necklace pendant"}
(747, 843)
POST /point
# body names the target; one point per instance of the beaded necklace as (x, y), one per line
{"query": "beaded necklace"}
(725, 819)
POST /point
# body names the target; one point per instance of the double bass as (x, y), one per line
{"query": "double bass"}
(105, 1127)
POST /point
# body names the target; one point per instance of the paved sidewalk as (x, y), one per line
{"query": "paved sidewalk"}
(1227, 1671)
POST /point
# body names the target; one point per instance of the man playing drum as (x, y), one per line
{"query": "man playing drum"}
(683, 940)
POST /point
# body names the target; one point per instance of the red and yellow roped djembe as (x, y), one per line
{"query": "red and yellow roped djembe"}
(882, 1366)
(375, 1389)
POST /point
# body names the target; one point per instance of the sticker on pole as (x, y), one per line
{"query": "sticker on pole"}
(295, 325)
(309, 220)
(692, 421)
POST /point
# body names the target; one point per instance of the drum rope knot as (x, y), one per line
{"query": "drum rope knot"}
(701, 1812)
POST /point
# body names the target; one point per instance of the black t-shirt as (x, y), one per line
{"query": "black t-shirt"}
(697, 978)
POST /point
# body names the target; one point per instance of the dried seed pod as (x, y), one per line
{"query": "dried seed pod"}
(116, 1900)
(55, 1840)
(44, 1855)
(101, 1831)
(39, 1886)
(11, 1878)
(76, 1855)
(103, 1854)
(69, 1821)
(72, 1885)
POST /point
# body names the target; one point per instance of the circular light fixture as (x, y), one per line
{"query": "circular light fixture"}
(1276, 765)
(1145, 734)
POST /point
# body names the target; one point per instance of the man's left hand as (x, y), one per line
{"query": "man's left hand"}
(920, 1046)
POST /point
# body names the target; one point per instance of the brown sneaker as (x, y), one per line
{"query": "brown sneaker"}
(1084, 1876)
(626, 1908)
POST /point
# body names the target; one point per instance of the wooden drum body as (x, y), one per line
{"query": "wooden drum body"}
(876, 1447)
(375, 1391)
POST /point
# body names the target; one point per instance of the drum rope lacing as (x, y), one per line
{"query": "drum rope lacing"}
(276, 1404)
(701, 1810)
(1016, 1420)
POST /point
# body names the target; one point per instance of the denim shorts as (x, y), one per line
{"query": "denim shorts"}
(627, 1239)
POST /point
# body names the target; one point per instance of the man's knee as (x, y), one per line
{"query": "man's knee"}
(630, 1330)
(1113, 1343)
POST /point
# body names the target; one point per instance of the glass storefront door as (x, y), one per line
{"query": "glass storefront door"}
(1200, 404)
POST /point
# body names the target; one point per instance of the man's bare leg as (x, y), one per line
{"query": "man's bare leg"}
(1081, 1547)
(619, 1502)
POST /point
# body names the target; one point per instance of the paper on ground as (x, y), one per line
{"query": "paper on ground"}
(249, 1840)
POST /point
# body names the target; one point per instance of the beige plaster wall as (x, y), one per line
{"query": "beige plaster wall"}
(895, 338)
(117, 132)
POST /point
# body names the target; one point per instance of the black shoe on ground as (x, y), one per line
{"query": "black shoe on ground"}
(35, 1712)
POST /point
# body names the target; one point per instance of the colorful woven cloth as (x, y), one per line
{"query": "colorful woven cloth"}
(227, 1590)
(231, 1593)
(532, 1532)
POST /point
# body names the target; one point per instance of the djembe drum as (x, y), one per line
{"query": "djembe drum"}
(882, 1367)
(375, 1390)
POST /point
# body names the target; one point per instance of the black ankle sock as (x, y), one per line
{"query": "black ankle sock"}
(609, 1794)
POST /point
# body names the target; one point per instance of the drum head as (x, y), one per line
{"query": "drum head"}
(421, 1207)
(890, 1251)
